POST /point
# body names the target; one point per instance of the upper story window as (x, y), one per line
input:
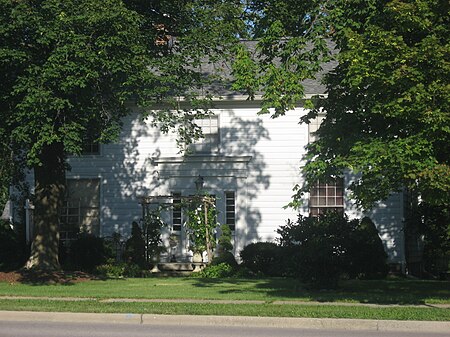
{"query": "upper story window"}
(313, 126)
(90, 148)
(91, 145)
(210, 141)
(327, 196)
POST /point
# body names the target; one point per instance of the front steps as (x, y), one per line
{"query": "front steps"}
(177, 268)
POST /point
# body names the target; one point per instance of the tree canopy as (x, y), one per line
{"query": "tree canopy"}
(387, 103)
(70, 68)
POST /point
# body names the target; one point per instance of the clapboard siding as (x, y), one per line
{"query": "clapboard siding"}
(258, 157)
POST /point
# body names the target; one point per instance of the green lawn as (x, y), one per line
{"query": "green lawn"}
(398, 291)
(386, 292)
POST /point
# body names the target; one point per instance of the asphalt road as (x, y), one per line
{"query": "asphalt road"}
(83, 329)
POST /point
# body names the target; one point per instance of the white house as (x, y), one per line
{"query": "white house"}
(249, 162)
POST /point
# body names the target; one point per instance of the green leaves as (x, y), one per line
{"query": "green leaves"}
(387, 106)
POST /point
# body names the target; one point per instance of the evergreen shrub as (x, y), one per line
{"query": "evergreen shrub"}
(320, 250)
(87, 252)
(262, 258)
(13, 250)
(135, 247)
(216, 271)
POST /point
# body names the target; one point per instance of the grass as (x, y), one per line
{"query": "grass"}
(386, 292)
(266, 310)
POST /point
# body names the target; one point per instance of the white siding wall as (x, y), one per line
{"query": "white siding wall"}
(259, 158)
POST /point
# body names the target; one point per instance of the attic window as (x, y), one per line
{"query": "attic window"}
(327, 196)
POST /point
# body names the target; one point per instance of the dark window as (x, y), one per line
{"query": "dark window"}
(230, 209)
(81, 209)
(90, 148)
(176, 212)
(91, 145)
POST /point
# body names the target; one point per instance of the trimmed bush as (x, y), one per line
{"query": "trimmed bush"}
(225, 239)
(317, 248)
(320, 250)
(114, 269)
(262, 258)
(216, 271)
(87, 252)
(366, 255)
(135, 247)
(225, 257)
(13, 251)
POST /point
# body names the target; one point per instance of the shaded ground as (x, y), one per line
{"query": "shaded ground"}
(43, 277)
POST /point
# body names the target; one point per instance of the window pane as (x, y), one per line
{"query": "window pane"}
(81, 209)
(313, 201)
(230, 209)
(326, 197)
(176, 212)
(210, 141)
(331, 191)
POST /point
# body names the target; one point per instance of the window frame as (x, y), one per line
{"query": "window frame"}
(177, 212)
(326, 196)
(210, 142)
(74, 214)
(230, 209)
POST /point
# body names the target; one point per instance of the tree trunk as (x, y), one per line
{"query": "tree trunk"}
(49, 196)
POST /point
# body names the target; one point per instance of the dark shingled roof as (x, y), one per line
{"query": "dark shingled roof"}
(311, 86)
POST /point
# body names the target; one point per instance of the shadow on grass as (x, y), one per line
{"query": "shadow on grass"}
(387, 291)
(38, 277)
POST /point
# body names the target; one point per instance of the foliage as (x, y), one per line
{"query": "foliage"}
(198, 230)
(113, 269)
(366, 255)
(135, 247)
(225, 238)
(387, 99)
(225, 257)
(70, 68)
(391, 89)
(13, 252)
(86, 252)
(320, 250)
(262, 258)
(152, 225)
(278, 65)
(435, 227)
(216, 271)
(317, 247)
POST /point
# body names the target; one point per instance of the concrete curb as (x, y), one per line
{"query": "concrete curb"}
(236, 321)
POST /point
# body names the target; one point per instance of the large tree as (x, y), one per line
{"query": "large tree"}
(387, 104)
(70, 69)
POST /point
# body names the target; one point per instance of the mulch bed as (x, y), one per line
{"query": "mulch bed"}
(45, 277)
